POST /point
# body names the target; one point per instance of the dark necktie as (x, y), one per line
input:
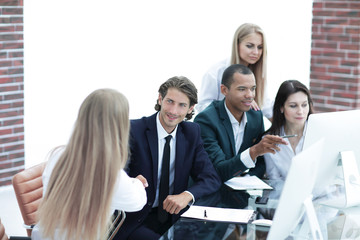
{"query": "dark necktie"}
(164, 181)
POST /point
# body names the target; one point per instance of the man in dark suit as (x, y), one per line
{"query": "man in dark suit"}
(188, 158)
(232, 132)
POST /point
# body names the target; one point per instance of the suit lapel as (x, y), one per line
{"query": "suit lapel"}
(152, 138)
(180, 153)
(227, 124)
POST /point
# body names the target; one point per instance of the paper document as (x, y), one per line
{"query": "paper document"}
(219, 214)
(247, 183)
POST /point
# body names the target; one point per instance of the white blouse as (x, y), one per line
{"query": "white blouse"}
(278, 164)
(210, 89)
(129, 193)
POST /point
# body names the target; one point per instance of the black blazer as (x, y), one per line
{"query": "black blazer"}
(191, 161)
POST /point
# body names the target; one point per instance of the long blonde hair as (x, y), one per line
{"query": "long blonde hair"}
(77, 200)
(259, 68)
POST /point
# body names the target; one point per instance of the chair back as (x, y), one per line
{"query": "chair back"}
(28, 187)
(2, 232)
(118, 219)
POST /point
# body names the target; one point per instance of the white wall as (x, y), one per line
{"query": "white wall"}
(73, 47)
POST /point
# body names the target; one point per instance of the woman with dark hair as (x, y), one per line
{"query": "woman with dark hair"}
(292, 107)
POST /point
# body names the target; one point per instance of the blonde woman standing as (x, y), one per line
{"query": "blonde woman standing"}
(84, 181)
(249, 49)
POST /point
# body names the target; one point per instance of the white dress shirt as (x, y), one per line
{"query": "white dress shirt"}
(278, 164)
(238, 130)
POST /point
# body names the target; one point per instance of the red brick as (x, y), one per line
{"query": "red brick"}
(19, 28)
(16, 54)
(14, 147)
(350, 63)
(10, 114)
(8, 88)
(17, 63)
(13, 122)
(331, 29)
(348, 46)
(326, 61)
(5, 132)
(345, 95)
(12, 11)
(323, 13)
(338, 38)
(14, 96)
(318, 69)
(11, 37)
(17, 155)
(339, 70)
(16, 45)
(340, 103)
(7, 28)
(16, 71)
(10, 3)
(18, 129)
(5, 63)
(326, 45)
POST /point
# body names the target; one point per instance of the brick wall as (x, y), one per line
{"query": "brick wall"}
(11, 89)
(335, 55)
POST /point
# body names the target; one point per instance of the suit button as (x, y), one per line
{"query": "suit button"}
(149, 204)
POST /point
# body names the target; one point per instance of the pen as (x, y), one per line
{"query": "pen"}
(289, 136)
(205, 216)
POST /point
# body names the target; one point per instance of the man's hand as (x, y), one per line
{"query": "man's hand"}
(173, 204)
(267, 145)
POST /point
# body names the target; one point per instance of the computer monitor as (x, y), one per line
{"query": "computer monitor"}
(297, 190)
(341, 133)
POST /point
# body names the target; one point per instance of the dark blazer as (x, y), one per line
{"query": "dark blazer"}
(218, 137)
(191, 161)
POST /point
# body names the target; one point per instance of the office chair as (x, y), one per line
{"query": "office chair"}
(28, 189)
(3, 235)
(118, 219)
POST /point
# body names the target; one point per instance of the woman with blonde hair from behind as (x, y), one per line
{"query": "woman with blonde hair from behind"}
(84, 181)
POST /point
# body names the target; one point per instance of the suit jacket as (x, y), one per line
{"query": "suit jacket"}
(191, 160)
(218, 137)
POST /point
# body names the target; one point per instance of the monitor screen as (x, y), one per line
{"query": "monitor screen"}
(341, 132)
(297, 188)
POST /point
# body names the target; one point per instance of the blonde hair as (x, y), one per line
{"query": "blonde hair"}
(259, 68)
(78, 197)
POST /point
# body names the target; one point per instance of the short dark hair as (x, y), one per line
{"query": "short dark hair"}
(182, 84)
(287, 88)
(227, 78)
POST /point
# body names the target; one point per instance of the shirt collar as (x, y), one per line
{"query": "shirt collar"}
(161, 131)
(233, 119)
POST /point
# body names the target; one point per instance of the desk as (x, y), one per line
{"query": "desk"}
(334, 223)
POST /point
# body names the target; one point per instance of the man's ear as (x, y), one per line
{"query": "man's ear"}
(159, 99)
(191, 109)
(224, 90)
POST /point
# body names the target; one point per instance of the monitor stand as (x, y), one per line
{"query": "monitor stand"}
(310, 222)
(351, 196)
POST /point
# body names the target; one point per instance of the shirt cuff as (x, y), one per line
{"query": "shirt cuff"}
(193, 199)
(246, 159)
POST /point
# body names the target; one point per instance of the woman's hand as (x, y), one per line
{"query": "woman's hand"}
(254, 106)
